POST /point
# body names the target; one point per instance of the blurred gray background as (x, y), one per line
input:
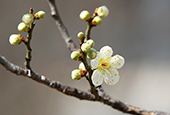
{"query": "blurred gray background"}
(139, 30)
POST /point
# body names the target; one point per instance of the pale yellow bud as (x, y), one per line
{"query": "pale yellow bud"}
(85, 15)
(96, 21)
(102, 11)
(76, 74)
(15, 39)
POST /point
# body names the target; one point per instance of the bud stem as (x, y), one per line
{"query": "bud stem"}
(28, 46)
(89, 27)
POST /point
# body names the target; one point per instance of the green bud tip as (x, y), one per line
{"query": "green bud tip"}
(96, 21)
(90, 42)
(91, 54)
(85, 47)
(85, 15)
(15, 39)
(80, 35)
(40, 15)
(102, 11)
(28, 18)
(76, 74)
(75, 55)
(22, 27)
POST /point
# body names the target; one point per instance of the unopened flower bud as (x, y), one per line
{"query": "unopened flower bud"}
(28, 18)
(96, 21)
(80, 35)
(90, 42)
(75, 55)
(40, 15)
(102, 11)
(85, 47)
(76, 74)
(91, 54)
(81, 66)
(85, 15)
(15, 39)
(22, 27)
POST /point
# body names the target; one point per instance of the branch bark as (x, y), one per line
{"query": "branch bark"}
(82, 95)
(63, 30)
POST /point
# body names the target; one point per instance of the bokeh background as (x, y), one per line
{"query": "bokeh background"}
(139, 30)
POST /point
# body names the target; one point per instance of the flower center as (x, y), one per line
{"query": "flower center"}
(104, 64)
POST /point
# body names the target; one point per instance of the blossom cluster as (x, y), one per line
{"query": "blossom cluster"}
(24, 26)
(103, 66)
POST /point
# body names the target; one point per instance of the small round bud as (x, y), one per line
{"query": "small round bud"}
(96, 21)
(80, 35)
(102, 11)
(81, 66)
(76, 74)
(85, 15)
(40, 15)
(85, 47)
(90, 42)
(15, 39)
(75, 55)
(22, 27)
(28, 18)
(91, 54)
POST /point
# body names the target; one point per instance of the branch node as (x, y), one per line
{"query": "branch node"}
(42, 78)
(52, 84)
(29, 73)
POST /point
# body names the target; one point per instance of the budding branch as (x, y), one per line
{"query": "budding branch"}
(82, 95)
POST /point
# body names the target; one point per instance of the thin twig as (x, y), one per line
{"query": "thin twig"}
(69, 42)
(27, 43)
(82, 95)
(63, 30)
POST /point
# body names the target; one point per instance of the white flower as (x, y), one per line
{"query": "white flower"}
(106, 67)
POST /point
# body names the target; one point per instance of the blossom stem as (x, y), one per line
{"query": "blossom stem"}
(88, 68)
(89, 27)
(28, 46)
(90, 71)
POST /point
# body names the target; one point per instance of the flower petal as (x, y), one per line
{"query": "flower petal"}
(113, 81)
(95, 62)
(115, 76)
(106, 51)
(111, 77)
(97, 78)
(118, 61)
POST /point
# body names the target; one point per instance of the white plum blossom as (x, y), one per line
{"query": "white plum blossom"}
(105, 67)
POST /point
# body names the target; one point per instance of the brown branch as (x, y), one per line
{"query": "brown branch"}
(82, 95)
(104, 98)
(43, 80)
(63, 30)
